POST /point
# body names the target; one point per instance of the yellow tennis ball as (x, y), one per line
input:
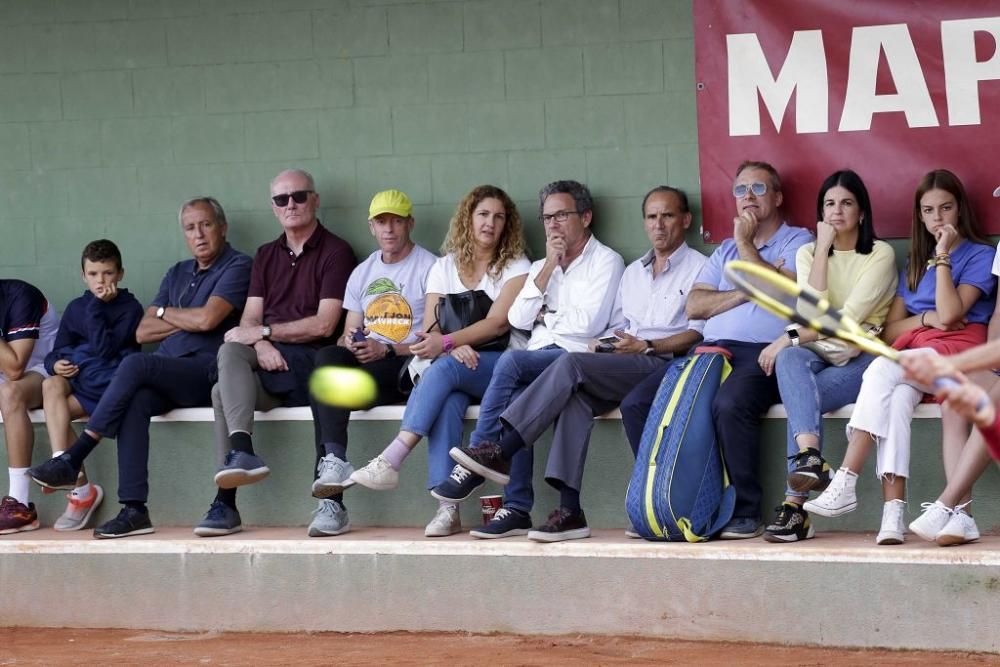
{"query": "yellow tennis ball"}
(343, 387)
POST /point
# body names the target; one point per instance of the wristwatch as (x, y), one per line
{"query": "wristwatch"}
(265, 332)
(160, 312)
(650, 350)
(390, 351)
(793, 335)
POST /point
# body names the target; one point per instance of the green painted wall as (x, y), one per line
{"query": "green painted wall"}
(112, 112)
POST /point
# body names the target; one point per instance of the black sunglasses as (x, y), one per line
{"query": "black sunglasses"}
(299, 197)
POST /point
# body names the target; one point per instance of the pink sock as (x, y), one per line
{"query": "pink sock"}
(396, 453)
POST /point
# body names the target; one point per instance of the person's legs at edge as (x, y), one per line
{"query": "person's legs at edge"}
(16, 398)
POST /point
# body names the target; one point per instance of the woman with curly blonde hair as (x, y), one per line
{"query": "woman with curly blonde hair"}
(484, 251)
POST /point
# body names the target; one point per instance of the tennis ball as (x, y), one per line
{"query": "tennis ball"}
(343, 387)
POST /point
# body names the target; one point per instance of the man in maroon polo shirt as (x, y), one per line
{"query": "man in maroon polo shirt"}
(292, 309)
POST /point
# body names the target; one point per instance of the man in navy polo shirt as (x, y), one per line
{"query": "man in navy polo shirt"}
(198, 301)
(293, 308)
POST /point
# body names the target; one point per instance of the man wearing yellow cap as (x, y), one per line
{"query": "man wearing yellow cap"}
(293, 307)
(384, 301)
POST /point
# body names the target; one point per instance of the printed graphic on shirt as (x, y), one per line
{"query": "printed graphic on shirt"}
(388, 314)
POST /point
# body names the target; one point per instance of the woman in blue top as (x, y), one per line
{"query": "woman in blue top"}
(944, 302)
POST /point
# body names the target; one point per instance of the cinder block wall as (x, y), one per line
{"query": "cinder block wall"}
(112, 112)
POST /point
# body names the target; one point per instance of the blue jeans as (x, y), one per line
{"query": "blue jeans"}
(809, 387)
(436, 408)
(514, 371)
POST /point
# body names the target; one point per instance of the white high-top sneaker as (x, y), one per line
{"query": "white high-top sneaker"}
(892, 523)
(838, 499)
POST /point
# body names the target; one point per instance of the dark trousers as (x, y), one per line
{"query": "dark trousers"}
(146, 385)
(331, 422)
(745, 395)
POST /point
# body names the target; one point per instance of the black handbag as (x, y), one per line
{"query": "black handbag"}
(457, 311)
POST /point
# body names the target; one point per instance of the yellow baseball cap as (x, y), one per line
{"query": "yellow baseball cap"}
(390, 201)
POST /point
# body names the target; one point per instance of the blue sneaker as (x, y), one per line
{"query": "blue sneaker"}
(330, 519)
(742, 528)
(221, 519)
(506, 522)
(241, 468)
(459, 485)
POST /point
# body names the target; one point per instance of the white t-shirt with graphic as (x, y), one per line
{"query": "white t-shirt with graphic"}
(390, 297)
(444, 278)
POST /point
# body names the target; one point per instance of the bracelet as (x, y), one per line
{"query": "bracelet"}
(922, 315)
(447, 344)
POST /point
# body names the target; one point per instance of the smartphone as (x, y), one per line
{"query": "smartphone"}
(358, 336)
(604, 347)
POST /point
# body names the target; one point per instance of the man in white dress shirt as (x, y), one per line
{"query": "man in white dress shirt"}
(650, 327)
(567, 300)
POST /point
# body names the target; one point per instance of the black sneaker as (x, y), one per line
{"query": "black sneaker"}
(484, 459)
(811, 472)
(742, 528)
(459, 485)
(56, 473)
(791, 525)
(221, 519)
(505, 523)
(130, 521)
(562, 524)
(241, 468)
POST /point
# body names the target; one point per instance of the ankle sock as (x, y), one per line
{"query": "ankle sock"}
(446, 503)
(81, 492)
(241, 442)
(227, 496)
(81, 449)
(20, 483)
(396, 453)
(570, 499)
(337, 449)
(511, 443)
(137, 505)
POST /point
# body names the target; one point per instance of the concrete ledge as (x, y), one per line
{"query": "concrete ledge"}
(395, 413)
(836, 590)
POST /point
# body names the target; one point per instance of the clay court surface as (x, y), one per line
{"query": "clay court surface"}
(24, 646)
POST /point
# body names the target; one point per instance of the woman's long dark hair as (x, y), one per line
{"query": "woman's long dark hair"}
(851, 182)
(922, 242)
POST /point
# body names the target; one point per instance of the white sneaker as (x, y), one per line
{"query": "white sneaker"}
(445, 522)
(892, 523)
(838, 499)
(378, 475)
(934, 517)
(959, 530)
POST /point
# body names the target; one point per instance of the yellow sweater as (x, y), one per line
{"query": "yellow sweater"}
(863, 286)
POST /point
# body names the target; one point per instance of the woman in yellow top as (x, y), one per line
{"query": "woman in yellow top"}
(856, 273)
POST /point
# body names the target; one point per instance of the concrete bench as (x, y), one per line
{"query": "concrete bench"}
(395, 413)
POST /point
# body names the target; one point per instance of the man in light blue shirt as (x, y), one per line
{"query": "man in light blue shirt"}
(732, 322)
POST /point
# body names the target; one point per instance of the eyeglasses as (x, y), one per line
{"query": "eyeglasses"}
(558, 216)
(758, 189)
(299, 197)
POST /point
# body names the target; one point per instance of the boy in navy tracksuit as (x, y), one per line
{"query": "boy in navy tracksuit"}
(97, 331)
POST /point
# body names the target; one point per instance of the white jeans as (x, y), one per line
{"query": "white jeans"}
(884, 409)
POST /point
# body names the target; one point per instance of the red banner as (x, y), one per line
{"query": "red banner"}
(888, 88)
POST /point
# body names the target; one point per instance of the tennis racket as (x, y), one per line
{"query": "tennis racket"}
(787, 299)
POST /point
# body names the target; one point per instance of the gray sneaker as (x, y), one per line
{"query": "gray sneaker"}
(333, 475)
(445, 522)
(330, 519)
